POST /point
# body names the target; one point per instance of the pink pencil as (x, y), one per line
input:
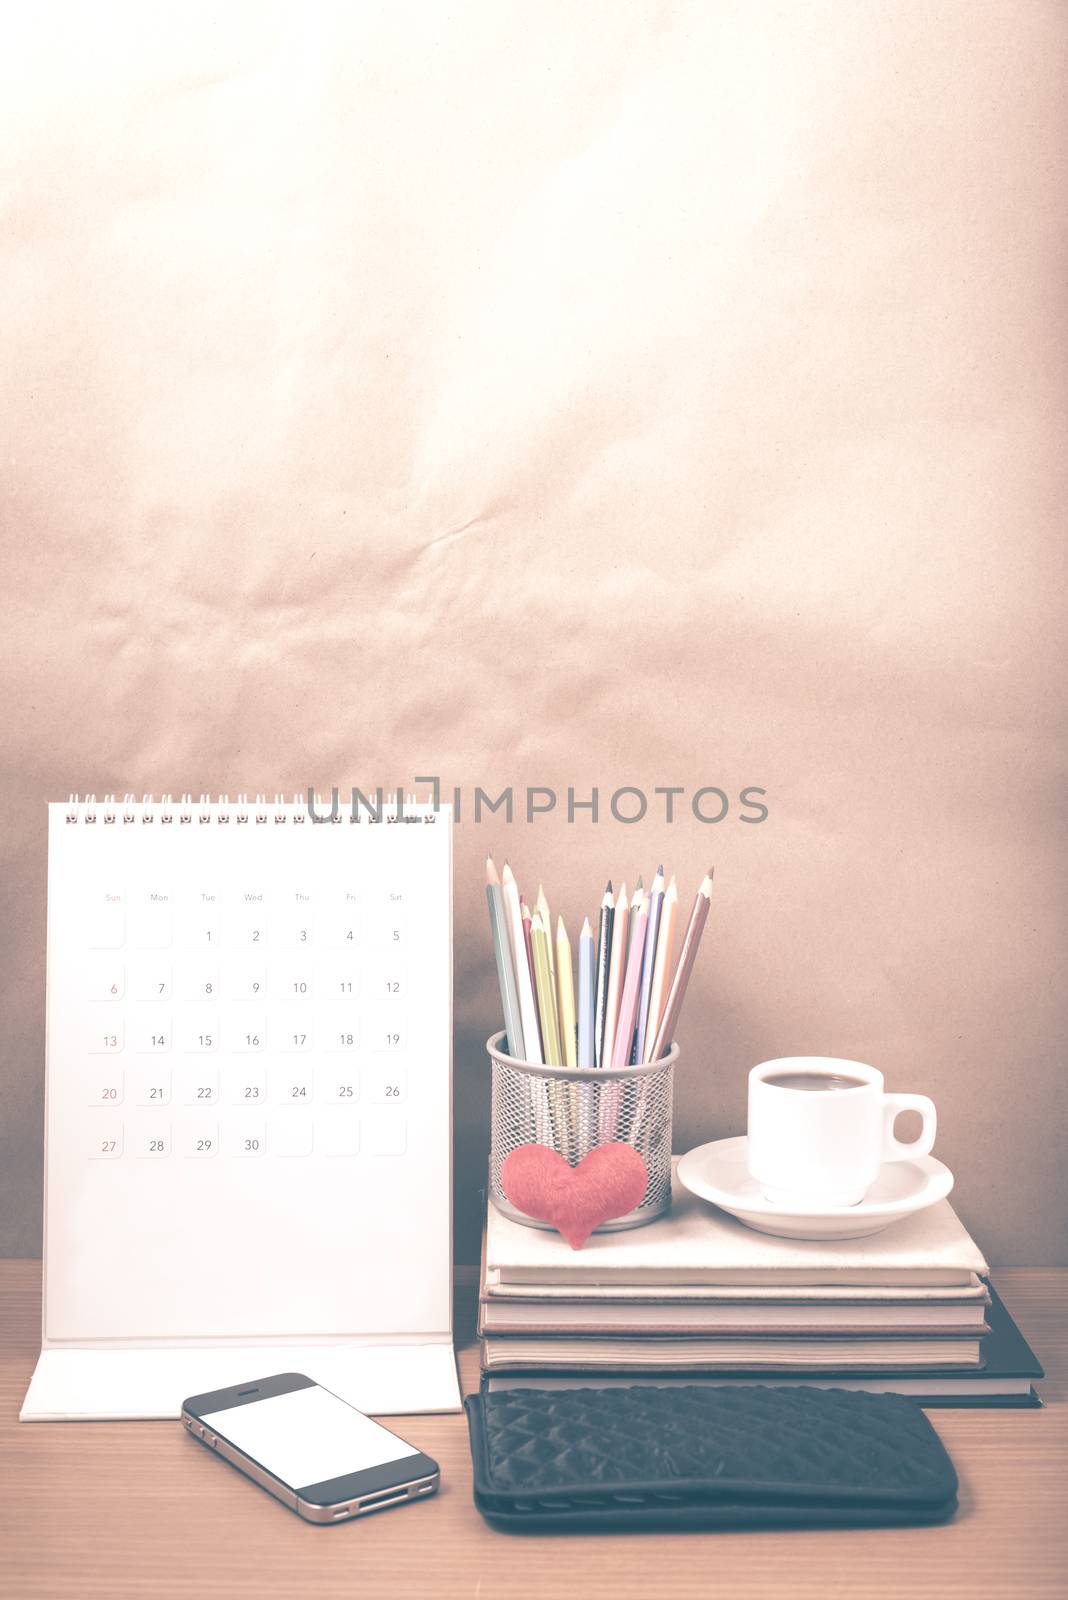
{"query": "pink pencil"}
(524, 911)
(628, 1006)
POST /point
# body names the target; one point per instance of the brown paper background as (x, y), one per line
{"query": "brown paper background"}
(542, 394)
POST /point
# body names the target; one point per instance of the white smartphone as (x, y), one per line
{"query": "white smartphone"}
(310, 1449)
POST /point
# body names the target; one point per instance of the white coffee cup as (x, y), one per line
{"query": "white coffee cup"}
(820, 1129)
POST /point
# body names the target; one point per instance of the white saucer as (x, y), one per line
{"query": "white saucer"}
(717, 1172)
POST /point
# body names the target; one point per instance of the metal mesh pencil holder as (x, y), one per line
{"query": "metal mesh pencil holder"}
(572, 1111)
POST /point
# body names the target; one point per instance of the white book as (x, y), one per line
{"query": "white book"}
(711, 1317)
(697, 1244)
(514, 1353)
(974, 1292)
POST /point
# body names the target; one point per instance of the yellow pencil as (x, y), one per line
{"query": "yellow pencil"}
(550, 1031)
(665, 945)
(565, 988)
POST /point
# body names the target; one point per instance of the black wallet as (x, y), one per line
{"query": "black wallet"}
(701, 1456)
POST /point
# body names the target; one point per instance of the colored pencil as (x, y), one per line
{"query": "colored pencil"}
(635, 906)
(604, 952)
(544, 1125)
(586, 997)
(656, 901)
(565, 992)
(640, 899)
(550, 1032)
(665, 945)
(687, 955)
(628, 1004)
(528, 923)
(502, 954)
(541, 906)
(616, 965)
(528, 1011)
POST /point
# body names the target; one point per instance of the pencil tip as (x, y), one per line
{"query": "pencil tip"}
(660, 870)
(608, 887)
(586, 927)
(491, 871)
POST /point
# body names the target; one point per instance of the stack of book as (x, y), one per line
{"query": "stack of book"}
(698, 1295)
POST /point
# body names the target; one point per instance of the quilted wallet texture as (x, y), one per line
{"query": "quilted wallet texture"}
(699, 1456)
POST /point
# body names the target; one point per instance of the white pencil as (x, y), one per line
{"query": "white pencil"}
(586, 997)
(541, 905)
(652, 929)
(528, 1010)
(665, 946)
(565, 996)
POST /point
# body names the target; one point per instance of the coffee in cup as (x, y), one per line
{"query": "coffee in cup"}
(820, 1129)
(813, 1082)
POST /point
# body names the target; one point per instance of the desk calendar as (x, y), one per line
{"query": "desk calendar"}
(248, 1109)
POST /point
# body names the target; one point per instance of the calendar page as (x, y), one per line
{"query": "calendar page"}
(248, 1123)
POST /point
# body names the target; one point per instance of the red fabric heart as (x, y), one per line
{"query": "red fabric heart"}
(607, 1183)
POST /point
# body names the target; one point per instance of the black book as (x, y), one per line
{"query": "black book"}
(1003, 1378)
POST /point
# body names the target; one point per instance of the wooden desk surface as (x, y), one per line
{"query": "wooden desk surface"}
(139, 1509)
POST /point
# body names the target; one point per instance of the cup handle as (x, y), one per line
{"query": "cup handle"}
(922, 1145)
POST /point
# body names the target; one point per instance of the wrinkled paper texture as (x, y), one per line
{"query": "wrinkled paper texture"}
(619, 394)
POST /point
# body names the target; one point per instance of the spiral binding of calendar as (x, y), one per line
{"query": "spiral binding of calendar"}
(257, 810)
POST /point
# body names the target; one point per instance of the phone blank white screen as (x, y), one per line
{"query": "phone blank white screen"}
(307, 1436)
